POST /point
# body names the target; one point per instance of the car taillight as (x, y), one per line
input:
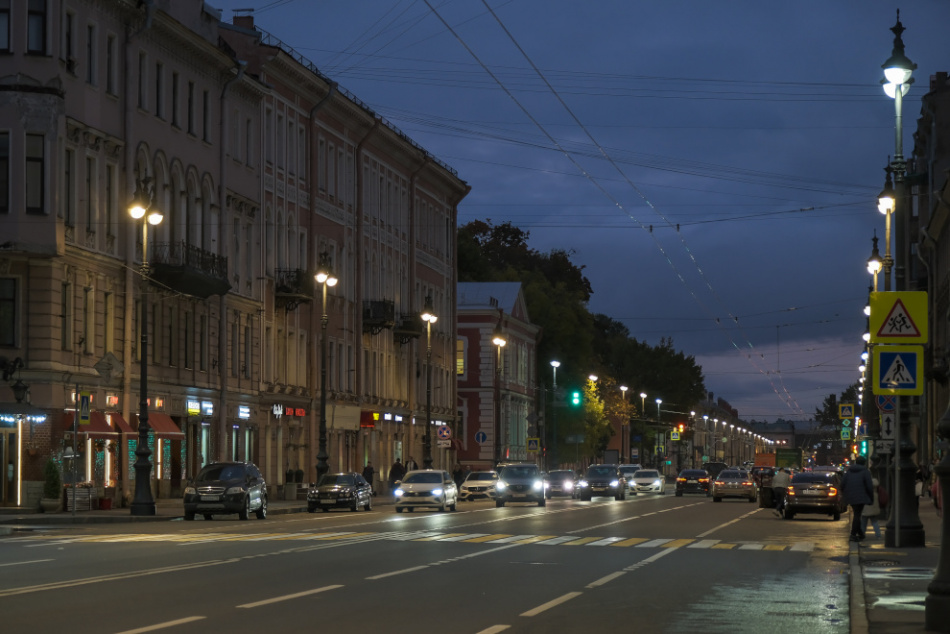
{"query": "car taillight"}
(791, 490)
(832, 492)
(681, 479)
(704, 479)
(746, 484)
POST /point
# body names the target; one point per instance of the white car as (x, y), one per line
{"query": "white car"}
(426, 488)
(648, 481)
(628, 470)
(478, 485)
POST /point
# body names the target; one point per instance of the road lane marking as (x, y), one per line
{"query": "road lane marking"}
(510, 539)
(581, 541)
(288, 597)
(607, 579)
(556, 541)
(751, 546)
(705, 543)
(633, 541)
(536, 539)
(430, 538)
(166, 624)
(803, 547)
(551, 604)
(484, 538)
(678, 543)
(606, 541)
(738, 519)
(21, 563)
(494, 629)
(465, 537)
(723, 546)
(396, 572)
(654, 543)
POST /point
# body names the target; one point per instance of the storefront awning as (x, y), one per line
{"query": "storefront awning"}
(11, 412)
(98, 427)
(163, 425)
(120, 425)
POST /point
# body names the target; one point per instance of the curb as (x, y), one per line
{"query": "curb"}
(857, 608)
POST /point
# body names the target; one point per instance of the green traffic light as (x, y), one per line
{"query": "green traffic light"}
(576, 398)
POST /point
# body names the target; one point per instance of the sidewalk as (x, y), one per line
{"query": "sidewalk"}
(889, 585)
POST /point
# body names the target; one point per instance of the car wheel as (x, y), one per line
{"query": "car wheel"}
(399, 509)
(454, 505)
(189, 517)
(836, 516)
(442, 506)
(262, 512)
(717, 499)
(409, 508)
(245, 512)
(208, 517)
(369, 503)
(499, 504)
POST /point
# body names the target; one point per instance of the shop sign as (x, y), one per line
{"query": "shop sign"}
(194, 407)
(244, 412)
(207, 408)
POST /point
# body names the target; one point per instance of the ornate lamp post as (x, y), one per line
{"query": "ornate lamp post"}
(428, 316)
(325, 278)
(142, 502)
(498, 338)
(624, 427)
(554, 366)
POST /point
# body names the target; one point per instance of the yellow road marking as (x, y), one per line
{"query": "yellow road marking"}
(633, 541)
(486, 538)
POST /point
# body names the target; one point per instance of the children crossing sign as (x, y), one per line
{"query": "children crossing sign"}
(898, 370)
(899, 317)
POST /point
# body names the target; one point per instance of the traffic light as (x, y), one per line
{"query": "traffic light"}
(863, 447)
(682, 427)
(576, 398)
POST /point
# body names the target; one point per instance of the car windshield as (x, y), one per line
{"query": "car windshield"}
(645, 473)
(626, 470)
(600, 472)
(824, 478)
(481, 475)
(333, 478)
(520, 472)
(732, 475)
(423, 478)
(562, 475)
(221, 472)
(693, 473)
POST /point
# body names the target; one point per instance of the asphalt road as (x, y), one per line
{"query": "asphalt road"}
(651, 563)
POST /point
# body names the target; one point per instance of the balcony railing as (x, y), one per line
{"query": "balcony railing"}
(292, 287)
(189, 269)
(409, 327)
(378, 314)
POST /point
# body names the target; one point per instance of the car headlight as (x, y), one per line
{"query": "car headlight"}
(538, 485)
(398, 493)
(190, 491)
(501, 486)
(436, 491)
(615, 483)
(234, 491)
(582, 483)
(568, 486)
(657, 483)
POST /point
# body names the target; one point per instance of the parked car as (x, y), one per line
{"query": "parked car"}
(561, 483)
(478, 485)
(340, 490)
(815, 492)
(226, 487)
(693, 481)
(603, 480)
(426, 488)
(519, 482)
(628, 470)
(648, 481)
(734, 483)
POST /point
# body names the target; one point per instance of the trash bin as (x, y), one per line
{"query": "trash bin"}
(766, 498)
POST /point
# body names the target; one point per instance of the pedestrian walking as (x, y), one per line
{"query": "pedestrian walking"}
(857, 488)
(780, 482)
(396, 473)
(368, 473)
(411, 464)
(458, 475)
(873, 511)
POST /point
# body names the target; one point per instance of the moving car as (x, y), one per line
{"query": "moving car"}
(478, 485)
(519, 482)
(226, 487)
(693, 481)
(426, 488)
(648, 481)
(336, 490)
(734, 483)
(628, 470)
(562, 483)
(815, 492)
(713, 468)
(604, 480)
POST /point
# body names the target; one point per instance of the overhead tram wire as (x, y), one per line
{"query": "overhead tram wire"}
(789, 400)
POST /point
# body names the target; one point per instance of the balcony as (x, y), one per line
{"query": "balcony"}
(410, 327)
(378, 314)
(189, 269)
(292, 287)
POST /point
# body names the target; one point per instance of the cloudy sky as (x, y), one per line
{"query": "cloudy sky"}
(714, 166)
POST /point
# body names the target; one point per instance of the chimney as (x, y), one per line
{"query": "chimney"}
(244, 21)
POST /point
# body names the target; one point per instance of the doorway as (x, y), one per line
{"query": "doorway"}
(10, 468)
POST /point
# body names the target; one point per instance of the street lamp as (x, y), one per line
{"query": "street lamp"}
(554, 366)
(143, 503)
(428, 316)
(325, 278)
(903, 528)
(624, 426)
(886, 204)
(498, 338)
(875, 263)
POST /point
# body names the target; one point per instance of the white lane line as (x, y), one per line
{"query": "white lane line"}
(653, 543)
(606, 541)
(557, 540)
(396, 572)
(20, 563)
(650, 559)
(803, 547)
(738, 519)
(608, 578)
(551, 604)
(752, 546)
(288, 597)
(162, 626)
(508, 540)
(494, 629)
(705, 543)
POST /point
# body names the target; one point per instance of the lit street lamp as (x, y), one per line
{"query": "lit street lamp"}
(554, 366)
(498, 338)
(325, 278)
(624, 427)
(875, 263)
(428, 316)
(142, 502)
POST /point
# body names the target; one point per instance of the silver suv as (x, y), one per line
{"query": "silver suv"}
(519, 482)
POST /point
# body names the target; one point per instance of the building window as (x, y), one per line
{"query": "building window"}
(460, 356)
(69, 187)
(36, 27)
(246, 363)
(191, 107)
(4, 25)
(143, 78)
(111, 62)
(91, 202)
(7, 311)
(189, 339)
(66, 316)
(269, 135)
(35, 174)
(91, 60)
(205, 116)
(248, 142)
(172, 336)
(235, 345)
(175, 80)
(159, 90)
(108, 319)
(4, 172)
(88, 320)
(203, 344)
(110, 202)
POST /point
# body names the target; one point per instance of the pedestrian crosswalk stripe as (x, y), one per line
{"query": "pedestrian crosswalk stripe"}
(419, 536)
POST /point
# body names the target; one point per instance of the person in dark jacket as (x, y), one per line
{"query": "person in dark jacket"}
(857, 487)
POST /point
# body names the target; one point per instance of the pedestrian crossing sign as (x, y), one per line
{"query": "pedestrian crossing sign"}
(898, 370)
(899, 317)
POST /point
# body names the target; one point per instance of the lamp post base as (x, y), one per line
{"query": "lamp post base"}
(142, 509)
(909, 538)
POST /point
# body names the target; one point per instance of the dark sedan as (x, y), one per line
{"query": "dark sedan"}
(734, 483)
(340, 490)
(693, 481)
(226, 487)
(560, 483)
(602, 480)
(815, 492)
